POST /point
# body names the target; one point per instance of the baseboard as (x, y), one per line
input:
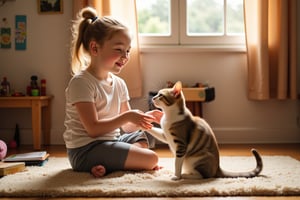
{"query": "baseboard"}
(224, 135)
(256, 135)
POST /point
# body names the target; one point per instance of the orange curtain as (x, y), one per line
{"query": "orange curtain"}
(270, 27)
(121, 10)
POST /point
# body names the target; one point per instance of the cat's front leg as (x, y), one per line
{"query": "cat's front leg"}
(178, 168)
(158, 133)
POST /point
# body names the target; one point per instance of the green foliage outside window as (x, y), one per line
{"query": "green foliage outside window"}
(204, 17)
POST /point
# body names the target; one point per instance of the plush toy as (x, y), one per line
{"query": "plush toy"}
(3, 149)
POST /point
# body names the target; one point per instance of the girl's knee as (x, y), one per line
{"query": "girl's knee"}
(152, 160)
(141, 159)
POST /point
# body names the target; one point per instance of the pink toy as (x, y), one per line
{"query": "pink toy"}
(3, 150)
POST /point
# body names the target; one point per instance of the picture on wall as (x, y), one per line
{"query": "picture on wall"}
(5, 35)
(21, 33)
(50, 6)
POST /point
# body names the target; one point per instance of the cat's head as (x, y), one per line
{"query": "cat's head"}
(169, 97)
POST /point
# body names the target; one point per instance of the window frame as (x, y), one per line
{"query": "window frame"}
(174, 25)
(179, 35)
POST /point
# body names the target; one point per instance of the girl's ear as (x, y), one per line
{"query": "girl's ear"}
(177, 89)
(93, 47)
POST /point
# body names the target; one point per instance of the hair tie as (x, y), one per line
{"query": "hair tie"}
(94, 19)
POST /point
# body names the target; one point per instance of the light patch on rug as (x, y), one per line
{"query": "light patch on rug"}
(280, 176)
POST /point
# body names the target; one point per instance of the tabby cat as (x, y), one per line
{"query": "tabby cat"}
(191, 139)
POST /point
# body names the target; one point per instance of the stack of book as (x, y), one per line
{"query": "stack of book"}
(31, 158)
(18, 162)
(11, 168)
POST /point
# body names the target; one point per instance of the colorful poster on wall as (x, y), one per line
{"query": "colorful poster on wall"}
(5, 35)
(20, 35)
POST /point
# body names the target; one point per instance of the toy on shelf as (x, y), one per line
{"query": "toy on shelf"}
(5, 87)
(43, 87)
(34, 89)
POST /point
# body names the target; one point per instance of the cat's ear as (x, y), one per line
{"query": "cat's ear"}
(177, 89)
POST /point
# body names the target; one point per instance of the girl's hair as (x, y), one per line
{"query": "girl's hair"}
(89, 27)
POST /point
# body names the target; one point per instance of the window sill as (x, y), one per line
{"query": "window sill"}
(192, 48)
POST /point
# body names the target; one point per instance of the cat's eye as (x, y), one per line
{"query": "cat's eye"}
(157, 96)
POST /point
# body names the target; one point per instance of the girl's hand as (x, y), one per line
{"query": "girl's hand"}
(157, 114)
(140, 119)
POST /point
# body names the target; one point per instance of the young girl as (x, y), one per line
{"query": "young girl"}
(97, 102)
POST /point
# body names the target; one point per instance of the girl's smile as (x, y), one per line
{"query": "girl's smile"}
(115, 52)
(112, 56)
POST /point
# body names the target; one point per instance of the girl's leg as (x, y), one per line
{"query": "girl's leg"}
(141, 144)
(140, 159)
(99, 158)
(121, 155)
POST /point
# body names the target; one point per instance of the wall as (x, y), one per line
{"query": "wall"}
(46, 56)
(233, 117)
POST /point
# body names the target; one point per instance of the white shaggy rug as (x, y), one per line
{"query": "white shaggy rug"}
(280, 176)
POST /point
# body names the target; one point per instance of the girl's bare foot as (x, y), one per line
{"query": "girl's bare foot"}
(157, 167)
(98, 171)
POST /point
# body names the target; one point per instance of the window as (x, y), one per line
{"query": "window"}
(158, 21)
(187, 22)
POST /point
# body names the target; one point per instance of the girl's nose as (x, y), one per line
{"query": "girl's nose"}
(125, 55)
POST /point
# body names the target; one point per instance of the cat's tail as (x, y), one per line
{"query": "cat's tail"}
(249, 174)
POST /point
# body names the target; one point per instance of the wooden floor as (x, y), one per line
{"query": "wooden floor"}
(292, 150)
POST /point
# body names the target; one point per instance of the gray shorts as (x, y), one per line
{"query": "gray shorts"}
(111, 154)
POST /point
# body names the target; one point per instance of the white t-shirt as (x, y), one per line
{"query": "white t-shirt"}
(84, 87)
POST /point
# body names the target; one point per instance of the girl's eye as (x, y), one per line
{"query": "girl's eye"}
(123, 52)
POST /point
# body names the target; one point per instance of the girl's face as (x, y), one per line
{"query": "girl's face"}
(114, 53)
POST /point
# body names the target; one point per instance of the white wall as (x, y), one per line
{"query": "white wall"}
(46, 56)
(234, 118)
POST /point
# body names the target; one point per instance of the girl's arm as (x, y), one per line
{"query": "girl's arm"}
(96, 127)
(130, 127)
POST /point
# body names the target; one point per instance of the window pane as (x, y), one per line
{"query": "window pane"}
(235, 17)
(205, 17)
(153, 17)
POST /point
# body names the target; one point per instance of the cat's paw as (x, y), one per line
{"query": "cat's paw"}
(191, 176)
(176, 178)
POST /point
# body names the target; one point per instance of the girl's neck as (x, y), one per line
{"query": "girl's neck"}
(100, 75)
